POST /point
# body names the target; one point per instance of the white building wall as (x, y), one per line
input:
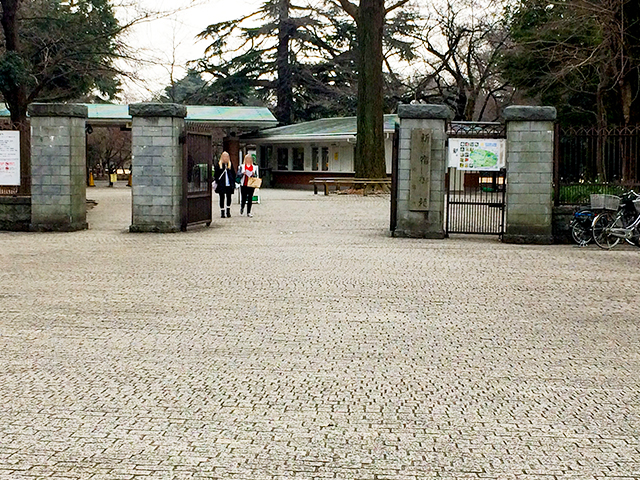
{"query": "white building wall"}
(388, 152)
(341, 155)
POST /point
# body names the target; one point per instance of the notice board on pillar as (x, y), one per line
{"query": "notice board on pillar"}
(420, 173)
(9, 158)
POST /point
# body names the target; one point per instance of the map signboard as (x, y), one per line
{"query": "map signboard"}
(9, 158)
(486, 154)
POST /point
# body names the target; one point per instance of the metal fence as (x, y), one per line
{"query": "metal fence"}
(595, 160)
(475, 199)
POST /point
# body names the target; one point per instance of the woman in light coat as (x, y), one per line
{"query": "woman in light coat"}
(246, 171)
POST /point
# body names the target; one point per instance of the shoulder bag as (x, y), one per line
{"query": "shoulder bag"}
(254, 182)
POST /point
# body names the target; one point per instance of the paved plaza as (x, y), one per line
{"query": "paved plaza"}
(306, 343)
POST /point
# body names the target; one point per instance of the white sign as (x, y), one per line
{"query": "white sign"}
(9, 158)
(477, 153)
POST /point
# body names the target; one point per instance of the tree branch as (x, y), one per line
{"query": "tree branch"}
(395, 5)
(351, 8)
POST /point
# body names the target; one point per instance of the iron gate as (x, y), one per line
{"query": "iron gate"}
(475, 201)
(197, 164)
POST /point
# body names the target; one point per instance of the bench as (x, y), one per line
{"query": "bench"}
(352, 182)
(322, 181)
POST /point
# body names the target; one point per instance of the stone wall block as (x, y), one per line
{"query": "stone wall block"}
(404, 143)
(529, 173)
(15, 213)
(157, 167)
(162, 181)
(533, 208)
(421, 224)
(143, 200)
(58, 160)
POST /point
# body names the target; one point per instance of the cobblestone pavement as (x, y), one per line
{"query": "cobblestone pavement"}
(306, 343)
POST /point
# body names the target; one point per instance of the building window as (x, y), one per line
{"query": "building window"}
(314, 158)
(266, 152)
(325, 158)
(283, 159)
(298, 158)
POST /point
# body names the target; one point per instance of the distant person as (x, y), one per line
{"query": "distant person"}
(225, 176)
(246, 171)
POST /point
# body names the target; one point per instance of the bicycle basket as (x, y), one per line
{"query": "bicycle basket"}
(604, 202)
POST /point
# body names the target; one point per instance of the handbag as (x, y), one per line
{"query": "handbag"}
(215, 182)
(254, 182)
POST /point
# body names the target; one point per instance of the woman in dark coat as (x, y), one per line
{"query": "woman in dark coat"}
(225, 176)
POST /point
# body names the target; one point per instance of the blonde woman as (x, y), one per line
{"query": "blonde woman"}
(225, 176)
(246, 171)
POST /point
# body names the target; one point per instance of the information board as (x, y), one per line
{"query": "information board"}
(9, 158)
(476, 153)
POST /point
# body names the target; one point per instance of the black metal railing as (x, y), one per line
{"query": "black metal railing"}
(475, 202)
(476, 130)
(595, 160)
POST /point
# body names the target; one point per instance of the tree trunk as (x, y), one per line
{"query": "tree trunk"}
(470, 107)
(626, 98)
(461, 104)
(16, 96)
(284, 82)
(370, 153)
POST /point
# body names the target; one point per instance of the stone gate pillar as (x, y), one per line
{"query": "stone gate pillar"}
(422, 162)
(156, 150)
(530, 140)
(58, 167)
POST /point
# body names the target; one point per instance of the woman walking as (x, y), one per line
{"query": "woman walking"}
(225, 176)
(247, 170)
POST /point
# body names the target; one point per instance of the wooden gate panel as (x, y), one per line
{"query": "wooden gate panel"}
(197, 190)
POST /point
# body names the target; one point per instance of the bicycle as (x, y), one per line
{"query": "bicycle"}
(608, 229)
(581, 226)
(582, 221)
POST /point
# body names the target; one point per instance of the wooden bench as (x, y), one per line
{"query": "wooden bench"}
(322, 181)
(352, 182)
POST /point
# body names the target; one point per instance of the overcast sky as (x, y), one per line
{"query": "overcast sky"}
(171, 40)
(160, 38)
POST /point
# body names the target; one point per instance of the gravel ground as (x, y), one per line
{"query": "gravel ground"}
(307, 343)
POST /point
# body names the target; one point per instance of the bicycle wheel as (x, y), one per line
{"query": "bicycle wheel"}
(601, 226)
(580, 234)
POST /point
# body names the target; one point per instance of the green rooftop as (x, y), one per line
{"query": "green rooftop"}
(214, 115)
(326, 127)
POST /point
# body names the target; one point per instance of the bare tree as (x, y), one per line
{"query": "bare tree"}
(463, 43)
(108, 149)
(580, 49)
(60, 51)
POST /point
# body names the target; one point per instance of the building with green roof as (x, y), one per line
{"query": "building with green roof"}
(295, 154)
(290, 155)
